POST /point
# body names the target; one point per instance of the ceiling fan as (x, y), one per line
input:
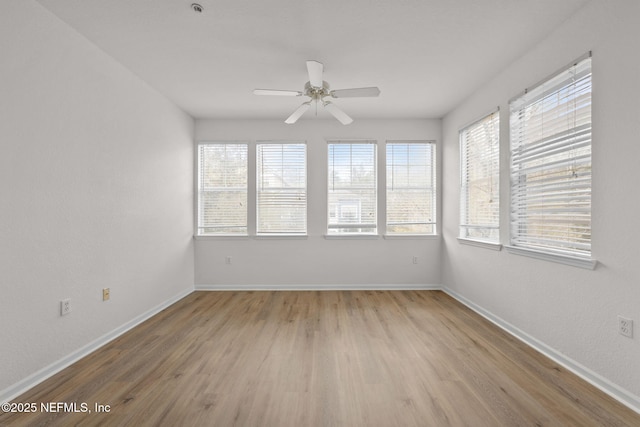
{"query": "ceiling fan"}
(317, 89)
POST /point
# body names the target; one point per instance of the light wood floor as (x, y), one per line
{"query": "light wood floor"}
(343, 358)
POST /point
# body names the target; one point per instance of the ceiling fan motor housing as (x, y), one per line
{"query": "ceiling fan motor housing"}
(316, 93)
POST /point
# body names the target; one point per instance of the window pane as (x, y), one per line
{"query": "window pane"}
(281, 188)
(480, 176)
(352, 196)
(222, 189)
(551, 164)
(410, 188)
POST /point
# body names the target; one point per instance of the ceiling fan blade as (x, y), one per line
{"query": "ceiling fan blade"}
(315, 69)
(355, 92)
(298, 113)
(338, 113)
(277, 92)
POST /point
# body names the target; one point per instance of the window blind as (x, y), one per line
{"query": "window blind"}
(281, 188)
(352, 188)
(410, 188)
(551, 164)
(222, 189)
(480, 179)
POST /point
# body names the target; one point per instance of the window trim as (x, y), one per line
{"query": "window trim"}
(575, 261)
(379, 151)
(281, 234)
(434, 188)
(411, 236)
(480, 243)
(375, 225)
(197, 199)
(346, 236)
(557, 255)
(492, 244)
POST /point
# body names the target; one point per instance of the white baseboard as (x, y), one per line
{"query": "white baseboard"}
(36, 378)
(318, 287)
(623, 396)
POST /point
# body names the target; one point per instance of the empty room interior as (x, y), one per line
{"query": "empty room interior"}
(344, 213)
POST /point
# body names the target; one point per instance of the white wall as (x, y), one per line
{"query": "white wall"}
(568, 309)
(315, 260)
(96, 191)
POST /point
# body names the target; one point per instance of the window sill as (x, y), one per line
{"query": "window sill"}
(351, 236)
(257, 237)
(280, 237)
(481, 244)
(586, 263)
(222, 237)
(411, 236)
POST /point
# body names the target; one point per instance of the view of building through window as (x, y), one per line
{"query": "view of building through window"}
(352, 188)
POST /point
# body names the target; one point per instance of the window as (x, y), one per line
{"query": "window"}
(222, 189)
(551, 164)
(410, 188)
(352, 188)
(479, 180)
(281, 188)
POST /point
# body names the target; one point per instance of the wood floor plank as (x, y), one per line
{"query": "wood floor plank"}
(320, 358)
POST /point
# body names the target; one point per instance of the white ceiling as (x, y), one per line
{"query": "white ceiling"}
(426, 56)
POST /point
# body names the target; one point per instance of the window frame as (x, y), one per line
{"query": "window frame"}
(520, 242)
(492, 120)
(431, 169)
(199, 190)
(281, 232)
(369, 225)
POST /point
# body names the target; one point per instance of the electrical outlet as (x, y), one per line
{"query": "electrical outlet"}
(415, 259)
(227, 260)
(106, 294)
(625, 326)
(65, 307)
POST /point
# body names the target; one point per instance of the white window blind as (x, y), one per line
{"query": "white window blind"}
(352, 188)
(222, 189)
(281, 188)
(410, 188)
(551, 164)
(479, 180)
